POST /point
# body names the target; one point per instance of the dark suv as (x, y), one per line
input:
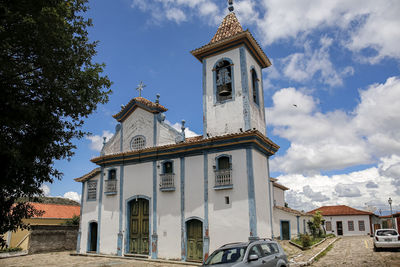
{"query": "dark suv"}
(260, 253)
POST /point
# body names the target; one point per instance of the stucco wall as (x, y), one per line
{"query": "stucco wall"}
(345, 220)
(279, 197)
(46, 238)
(280, 215)
(139, 122)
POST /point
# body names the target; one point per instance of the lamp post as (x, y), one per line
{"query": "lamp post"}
(391, 213)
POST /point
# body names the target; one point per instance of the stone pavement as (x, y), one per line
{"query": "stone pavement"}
(64, 259)
(298, 257)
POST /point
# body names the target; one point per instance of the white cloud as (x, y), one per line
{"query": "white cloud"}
(73, 196)
(177, 126)
(97, 140)
(302, 67)
(336, 140)
(45, 189)
(176, 15)
(308, 192)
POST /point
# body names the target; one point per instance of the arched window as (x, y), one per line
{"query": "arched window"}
(254, 85)
(112, 174)
(223, 163)
(138, 142)
(167, 167)
(223, 81)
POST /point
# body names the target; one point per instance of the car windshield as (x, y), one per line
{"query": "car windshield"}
(386, 232)
(228, 255)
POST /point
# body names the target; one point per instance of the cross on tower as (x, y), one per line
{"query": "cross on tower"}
(140, 87)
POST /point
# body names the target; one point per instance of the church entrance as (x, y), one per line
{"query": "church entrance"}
(139, 226)
(194, 233)
(92, 246)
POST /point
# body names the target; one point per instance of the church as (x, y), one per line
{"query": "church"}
(159, 194)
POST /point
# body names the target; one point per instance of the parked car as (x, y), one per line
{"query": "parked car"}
(386, 238)
(260, 253)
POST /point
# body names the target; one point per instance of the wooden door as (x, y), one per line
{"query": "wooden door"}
(93, 236)
(194, 230)
(139, 227)
(339, 227)
(285, 230)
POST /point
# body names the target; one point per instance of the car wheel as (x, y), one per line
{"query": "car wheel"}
(376, 249)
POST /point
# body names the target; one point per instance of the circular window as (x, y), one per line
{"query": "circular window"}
(138, 142)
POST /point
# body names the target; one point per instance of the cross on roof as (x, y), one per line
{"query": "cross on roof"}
(140, 87)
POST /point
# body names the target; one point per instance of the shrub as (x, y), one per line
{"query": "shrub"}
(305, 240)
(10, 250)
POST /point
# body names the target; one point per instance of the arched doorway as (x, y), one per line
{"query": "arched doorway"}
(92, 241)
(139, 226)
(194, 234)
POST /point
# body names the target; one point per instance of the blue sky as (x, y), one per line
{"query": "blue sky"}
(337, 61)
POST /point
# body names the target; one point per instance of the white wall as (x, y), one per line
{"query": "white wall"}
(344, 220)
(279, 197)
(139, 122)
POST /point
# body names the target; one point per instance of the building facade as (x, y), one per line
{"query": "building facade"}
(159, 194)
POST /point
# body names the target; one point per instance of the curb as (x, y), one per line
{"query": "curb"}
(311, 260)
(136, 259)
(5, 255)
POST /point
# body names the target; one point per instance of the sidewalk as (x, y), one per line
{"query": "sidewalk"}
(298, 257)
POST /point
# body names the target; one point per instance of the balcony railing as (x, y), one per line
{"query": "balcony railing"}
(111, 187)
(223, 179)
(167, 182)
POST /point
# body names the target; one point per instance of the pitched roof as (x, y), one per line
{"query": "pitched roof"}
(339, 210)
(274, 183)
(229, 27)
(287, 209)
(57, 211)
(138, 102)
(88, 176)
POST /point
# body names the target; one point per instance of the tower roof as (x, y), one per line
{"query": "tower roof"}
(231, 34)
(229, 27)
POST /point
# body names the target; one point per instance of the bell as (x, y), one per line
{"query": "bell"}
(225, 91)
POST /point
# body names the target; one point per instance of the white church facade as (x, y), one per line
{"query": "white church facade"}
(159, 194)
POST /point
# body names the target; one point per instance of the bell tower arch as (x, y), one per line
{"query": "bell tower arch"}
(232, 80)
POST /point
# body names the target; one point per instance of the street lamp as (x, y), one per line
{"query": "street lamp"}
(391, 213)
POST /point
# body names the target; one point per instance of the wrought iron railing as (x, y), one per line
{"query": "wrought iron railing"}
(167, 181)
(111, 186)
(223, 177)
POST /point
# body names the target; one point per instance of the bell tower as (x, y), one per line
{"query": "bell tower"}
(233, 98)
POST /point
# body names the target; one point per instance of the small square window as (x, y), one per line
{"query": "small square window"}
(92, 190)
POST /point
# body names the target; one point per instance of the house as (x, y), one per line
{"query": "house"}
(343, 220)
(390, 221)
(159, 194)
(55, 213)
(288, 223)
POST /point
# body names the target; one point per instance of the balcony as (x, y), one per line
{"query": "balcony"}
(167, 182)
(223, 179)
(110, 187)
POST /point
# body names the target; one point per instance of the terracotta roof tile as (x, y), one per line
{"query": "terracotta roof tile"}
(57, 211)
(292, 211)
(229, 27)
(339, 210)
(87, 176)
(140, 100)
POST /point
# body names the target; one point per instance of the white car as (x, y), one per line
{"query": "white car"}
(386, 238)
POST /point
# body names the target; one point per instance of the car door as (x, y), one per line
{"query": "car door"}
(270, 258)
(260, 262)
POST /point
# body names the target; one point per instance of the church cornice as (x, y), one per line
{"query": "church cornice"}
(194, 147)
(138, 102)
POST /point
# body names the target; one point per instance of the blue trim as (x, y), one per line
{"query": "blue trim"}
(215, 82)
(220, 156)
(245, 89)
(100, 205)
(204, 98)
(154, 237)
(90, 235)
(121, 195)
(78, 242)
(121, 143)
(280, 223)
(262, 103)
(270, 192)
(222, 187)
(127, 220)
(251, 193)
(298, 225)
(155, 130)
(183, 226)
(206, 238)
(304, 226)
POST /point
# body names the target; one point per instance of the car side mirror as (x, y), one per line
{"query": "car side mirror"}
(253, 257)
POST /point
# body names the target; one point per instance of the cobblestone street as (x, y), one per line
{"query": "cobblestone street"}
(61, 259)
(358, 251)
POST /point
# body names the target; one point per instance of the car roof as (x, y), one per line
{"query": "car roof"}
(244, 244)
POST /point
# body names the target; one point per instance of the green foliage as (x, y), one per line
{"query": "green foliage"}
(305, 240)
(49, 84)
(10, 250)
(73, 221)
(315, 225)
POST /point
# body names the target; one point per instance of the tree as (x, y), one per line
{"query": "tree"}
(49, 84)
(315, 224)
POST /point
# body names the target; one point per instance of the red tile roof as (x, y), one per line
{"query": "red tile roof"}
(88, 176)
(339, 210)
(57, 211)
(287, 209)
(138, 101)
(229, 27)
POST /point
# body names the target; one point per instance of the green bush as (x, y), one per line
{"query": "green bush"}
(305, 240)
(10, 250)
